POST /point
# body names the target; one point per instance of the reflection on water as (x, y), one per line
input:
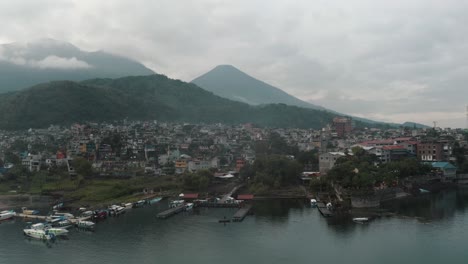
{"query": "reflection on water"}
(432, 206)
(280, 231)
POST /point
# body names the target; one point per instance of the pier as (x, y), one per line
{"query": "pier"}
(44, 218)
(229, 194)
(241, 213)
(171, 211)
(324, 210)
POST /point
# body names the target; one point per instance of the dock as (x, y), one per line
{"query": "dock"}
(324, 210)
(44, 218)
(229, 194)
(30, 216)
(241, 213)
(217, 205)
(171, 211)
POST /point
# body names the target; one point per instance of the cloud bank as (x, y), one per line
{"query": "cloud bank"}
(390, 60)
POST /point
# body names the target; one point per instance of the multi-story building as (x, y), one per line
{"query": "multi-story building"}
(430, 151)
(328, 160)
(342, 125)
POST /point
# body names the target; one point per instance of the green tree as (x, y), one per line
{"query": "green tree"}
(82, 167)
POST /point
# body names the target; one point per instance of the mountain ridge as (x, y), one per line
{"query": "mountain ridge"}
(141, 98)
(27, 64)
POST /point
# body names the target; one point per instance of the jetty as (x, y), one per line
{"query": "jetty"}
(171, 211)
(241, 213)
(323, 209)
(229, 194)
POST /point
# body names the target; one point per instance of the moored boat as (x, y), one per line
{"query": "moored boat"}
(313, 202)
(52, 230)
(361, 220)
(26, 211)
(188, 206)
(39, 234)
(155, 200)
(7, 214)
(127, 205)
(85, 224)
(139, 204)
(176, 203)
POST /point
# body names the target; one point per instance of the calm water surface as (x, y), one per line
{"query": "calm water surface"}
(279, 232)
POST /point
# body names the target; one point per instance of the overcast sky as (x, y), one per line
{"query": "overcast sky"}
(385, 60)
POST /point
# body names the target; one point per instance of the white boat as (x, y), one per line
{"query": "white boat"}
(52, 230)
(313, 202)
(26, 211)
(127, 205)
(116, 209)
(39, 234)
(361, 219)
(85, 224)
(155, 200)
(176, 203)
(61, 223)
(188, 206)
(7, 214)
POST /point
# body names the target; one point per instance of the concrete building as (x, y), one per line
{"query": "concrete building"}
(328, 160)
(342, 125)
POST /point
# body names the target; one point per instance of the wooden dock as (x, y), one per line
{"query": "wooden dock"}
(35, 217)
(324, 210)
(241, 213)
(217, 205)
(44, 218)
(171, 211)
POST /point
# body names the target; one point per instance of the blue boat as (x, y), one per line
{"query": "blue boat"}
(155, 200)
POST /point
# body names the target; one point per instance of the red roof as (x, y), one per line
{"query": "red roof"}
(191, 195)
(245, 197)
(393, 147)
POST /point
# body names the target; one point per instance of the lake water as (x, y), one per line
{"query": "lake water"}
(281, 231)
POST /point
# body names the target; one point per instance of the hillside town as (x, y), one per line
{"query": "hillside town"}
(135, 148)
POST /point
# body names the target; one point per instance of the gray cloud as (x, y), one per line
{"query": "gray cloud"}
(391, 60)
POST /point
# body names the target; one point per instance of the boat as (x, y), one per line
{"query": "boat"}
(85, 224)
(26, 211)
(155, 200)
(87, 214)
(423, 191)
(116, 210)
(361, 220)
(188, 206)
(60, 223)
(139, 204)
(100, 214)
(176, 203)
(46, 227)
(57, 206)
(127, 205)
(313, 202)
(7, 214)
(39, 234)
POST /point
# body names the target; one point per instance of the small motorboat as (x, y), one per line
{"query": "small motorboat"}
(116, 210)
(188, 206)
(423, 191)
(127, 206)
(139, 204)
(361, 220)
(46, 227)
(39, 234)
(26, 211)
(4, 215)
(176, 203)
(60, 223)
(155, 200)
(85, 224)
(313, 202)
